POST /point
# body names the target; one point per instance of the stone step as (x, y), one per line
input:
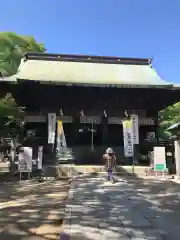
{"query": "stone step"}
(84, 155)
(70, 170)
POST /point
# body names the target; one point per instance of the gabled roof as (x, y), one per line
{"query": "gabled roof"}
(89, 70)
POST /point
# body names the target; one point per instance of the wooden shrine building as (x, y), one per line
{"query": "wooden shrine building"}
(91, 88)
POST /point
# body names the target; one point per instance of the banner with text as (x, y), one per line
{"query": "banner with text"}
(51, 127)
(128, 138)
(40, 157)
(135, 127)
(61, 140)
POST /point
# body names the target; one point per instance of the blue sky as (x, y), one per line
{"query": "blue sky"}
(132, 28)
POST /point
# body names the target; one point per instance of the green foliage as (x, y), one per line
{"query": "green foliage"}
(11, 115)
(12, 48)
(167, 117)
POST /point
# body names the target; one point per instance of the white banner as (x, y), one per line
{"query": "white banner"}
(128, 138)
(28, 152)
(13, 151)
(40, 157)
(135, 126)
(51, 127)
(25, 159)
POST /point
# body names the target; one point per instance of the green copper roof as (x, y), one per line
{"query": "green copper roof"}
(11, 79)
(84, 73)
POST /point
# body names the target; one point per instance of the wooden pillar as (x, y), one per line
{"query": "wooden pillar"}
(104, 124)
(157, 128)
(76, 126)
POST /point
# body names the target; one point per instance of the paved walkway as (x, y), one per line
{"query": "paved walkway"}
(32, 211)
(130, 209)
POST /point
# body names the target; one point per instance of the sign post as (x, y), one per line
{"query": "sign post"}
(159, 160)
(92, 130)
(92, 136)
(25, 161)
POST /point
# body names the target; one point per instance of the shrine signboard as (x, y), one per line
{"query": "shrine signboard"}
(159, 159)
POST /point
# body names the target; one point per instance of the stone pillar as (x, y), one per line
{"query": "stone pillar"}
(177, 157)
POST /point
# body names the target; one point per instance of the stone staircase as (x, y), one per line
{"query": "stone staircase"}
(81, 155)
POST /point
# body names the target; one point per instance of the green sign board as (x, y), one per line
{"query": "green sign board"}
(159, 159)
(159, 167)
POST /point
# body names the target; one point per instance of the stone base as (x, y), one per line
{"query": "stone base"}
(150, 172)
(70, 170)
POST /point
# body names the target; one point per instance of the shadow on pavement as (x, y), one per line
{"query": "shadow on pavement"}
(132, 208)
(31, 210)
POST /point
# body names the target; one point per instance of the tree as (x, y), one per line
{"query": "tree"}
(167, 117)
(11, 115)
(12, 48)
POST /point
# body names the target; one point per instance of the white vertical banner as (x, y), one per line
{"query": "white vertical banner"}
(28, 152)
(40, 157)
(13, 151)
(51, 127)
(135, 126)
(128, 138)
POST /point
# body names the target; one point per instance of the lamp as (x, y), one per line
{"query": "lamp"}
(61, 112)
(82, 113)
(126, 113)
(105, 114)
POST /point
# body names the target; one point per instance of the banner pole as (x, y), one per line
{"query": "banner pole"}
(92, 137)
(133, 158)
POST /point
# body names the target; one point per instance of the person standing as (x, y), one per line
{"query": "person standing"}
(110, 163)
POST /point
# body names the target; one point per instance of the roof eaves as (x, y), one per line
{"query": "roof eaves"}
(12, 78)
(69, 84)
(86, 58)
(176, 86)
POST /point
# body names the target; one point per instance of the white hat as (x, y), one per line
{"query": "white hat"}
(109, 150)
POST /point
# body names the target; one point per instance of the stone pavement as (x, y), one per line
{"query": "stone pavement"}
(133, 209)
(32, 211)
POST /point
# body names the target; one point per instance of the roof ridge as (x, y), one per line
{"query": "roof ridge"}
(86, 58)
